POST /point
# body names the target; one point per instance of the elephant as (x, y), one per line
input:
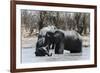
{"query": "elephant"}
(47, 33)
(45, 41)
(59, 40)
(41, 47)
(67, 40)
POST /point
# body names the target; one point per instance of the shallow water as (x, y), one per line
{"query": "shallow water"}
(28, 56)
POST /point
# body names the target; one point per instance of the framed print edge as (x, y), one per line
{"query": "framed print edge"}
(13, 36)
(95, 36)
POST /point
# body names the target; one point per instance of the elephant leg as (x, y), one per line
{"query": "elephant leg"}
(59, 49)
(53, 46)
(56, 49)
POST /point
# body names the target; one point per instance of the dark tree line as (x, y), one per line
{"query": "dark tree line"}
(77, 21)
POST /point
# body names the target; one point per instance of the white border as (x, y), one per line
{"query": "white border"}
(51, 64)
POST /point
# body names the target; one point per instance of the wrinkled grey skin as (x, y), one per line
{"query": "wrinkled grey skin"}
(73, 41)
(66, 40)
(42, 48)
(60, 40)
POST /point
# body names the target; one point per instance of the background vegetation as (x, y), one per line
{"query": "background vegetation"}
(32, 21)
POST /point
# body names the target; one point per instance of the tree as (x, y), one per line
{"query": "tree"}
(77, 21)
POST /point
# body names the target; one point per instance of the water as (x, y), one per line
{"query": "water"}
(28, 56)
